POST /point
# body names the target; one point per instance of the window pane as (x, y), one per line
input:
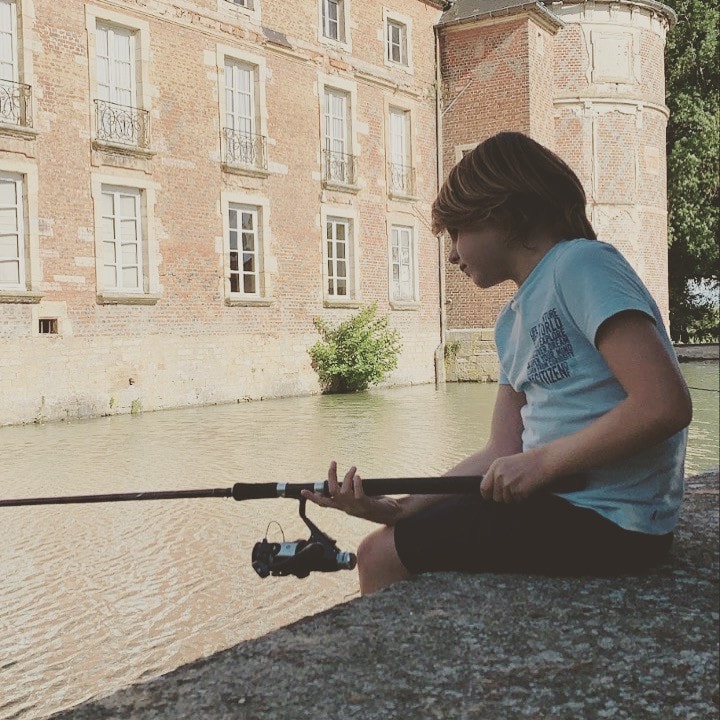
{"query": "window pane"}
(235, 281)
(249, 283)
(9, 272)
(8, 192)
(127, 206)
(129, 254)
(341, 287)
(9, 246)
(128, 231)
(8, 219)
(109, 252)
(248, 241)
(248, 262)
(130, 278)
(110, 276)
(233, 240)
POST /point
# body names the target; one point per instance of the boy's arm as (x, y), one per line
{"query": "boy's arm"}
(657, 406)
(505, 439)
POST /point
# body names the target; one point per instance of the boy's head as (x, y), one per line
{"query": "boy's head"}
(516, 184)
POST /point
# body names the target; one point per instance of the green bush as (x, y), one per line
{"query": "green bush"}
(357, 353)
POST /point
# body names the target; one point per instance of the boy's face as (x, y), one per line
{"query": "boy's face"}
(482, 253)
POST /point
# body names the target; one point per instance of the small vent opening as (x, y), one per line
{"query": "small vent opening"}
(48, 326)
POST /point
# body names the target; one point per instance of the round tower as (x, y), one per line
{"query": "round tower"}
(610, 121)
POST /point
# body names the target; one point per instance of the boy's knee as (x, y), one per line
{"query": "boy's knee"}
(377, 548)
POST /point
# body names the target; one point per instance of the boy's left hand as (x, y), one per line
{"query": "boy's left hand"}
(514, 478)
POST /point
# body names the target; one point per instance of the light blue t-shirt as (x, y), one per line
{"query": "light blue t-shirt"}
(546, 345)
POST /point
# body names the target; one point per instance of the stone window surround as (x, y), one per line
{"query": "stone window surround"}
(25, 16)
(344, 44)
(95, 15)
(268, 262)
(398, 103)
(151, 256)
(33, 267)
(399, 19)
(225, 53)
(230, 7)
(344, 212)
(333, 82)
(404, 220)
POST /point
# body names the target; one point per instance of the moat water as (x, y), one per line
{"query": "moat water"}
(95, 597)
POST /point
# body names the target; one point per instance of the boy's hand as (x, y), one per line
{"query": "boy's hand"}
(350, 498)
(514, 478)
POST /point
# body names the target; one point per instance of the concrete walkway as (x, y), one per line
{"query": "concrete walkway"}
(490, 647)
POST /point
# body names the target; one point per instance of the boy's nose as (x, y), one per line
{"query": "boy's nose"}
(453, 257)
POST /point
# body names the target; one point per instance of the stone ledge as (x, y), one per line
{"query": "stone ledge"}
(476, 647)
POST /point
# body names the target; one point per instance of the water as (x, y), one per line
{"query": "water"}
(95, 597)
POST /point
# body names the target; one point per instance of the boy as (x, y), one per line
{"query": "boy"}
(583, 470)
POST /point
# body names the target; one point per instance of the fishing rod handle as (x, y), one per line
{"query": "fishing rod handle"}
(446, 485)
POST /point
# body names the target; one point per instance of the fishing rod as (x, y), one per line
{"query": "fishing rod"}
(318, 553)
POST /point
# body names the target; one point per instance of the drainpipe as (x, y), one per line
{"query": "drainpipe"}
(440, 350)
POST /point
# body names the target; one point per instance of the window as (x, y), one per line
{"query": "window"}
(247, 260)
(333, 19)
(402, 264)
(243, 3)
(338, 251)
(14, 95)
(122, 241)
(397, 42)
(12, 233)
(400, 171)
(339, 163)
(119, 120)
(243, 145)
(244, 243)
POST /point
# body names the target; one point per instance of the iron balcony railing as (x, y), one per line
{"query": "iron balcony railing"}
(338, 168)
(122, 124)
(245, 149)
(402, 179)
(15, 103)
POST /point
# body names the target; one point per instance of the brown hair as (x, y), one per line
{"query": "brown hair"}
(515, 183)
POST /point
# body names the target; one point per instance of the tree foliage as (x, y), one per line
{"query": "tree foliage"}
(357, 353)
(693, 145)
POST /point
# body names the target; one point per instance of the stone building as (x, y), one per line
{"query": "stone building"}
(186, 184)
(587, 80)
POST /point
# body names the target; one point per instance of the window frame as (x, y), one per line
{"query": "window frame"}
(94, 17)
(405, 153)
(348, 88)
(226, 55)
(28, 290)
(392, 18)
(22, 39)
(20, 259)
(396, 294)
(266, 261)
(343, 40)
(251, 11)
(118, 193)
(145, 190)
(404, 221)
(333, 214)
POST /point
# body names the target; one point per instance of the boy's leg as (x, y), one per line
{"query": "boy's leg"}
(378, 562)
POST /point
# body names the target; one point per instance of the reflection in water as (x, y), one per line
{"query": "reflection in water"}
(95, 597)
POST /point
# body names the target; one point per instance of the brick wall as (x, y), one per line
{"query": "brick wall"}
(184, 344)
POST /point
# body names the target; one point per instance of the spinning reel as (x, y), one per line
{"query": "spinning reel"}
(318, 553)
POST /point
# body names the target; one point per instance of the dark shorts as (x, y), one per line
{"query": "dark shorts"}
(545, 534)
